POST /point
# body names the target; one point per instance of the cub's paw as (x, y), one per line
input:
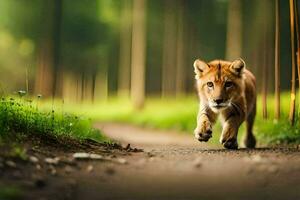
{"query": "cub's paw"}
(250, 142)
(204, 132)
(230, 143)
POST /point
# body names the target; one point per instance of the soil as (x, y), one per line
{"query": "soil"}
(171, 166)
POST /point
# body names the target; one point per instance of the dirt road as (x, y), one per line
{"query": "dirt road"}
(175, 166)
(179, 167)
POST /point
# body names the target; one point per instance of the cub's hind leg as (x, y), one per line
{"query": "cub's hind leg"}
(249, 139)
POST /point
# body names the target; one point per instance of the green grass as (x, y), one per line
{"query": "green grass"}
(180, 114)
(23, 116)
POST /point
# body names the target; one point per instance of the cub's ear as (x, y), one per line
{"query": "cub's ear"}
(237, 67)
(200, 67)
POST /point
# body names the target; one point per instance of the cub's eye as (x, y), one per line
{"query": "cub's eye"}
(210, 84)
(228, 84)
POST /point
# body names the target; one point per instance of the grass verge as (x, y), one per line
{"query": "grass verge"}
(20, 117)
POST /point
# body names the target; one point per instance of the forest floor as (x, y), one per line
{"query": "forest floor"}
(171, 166)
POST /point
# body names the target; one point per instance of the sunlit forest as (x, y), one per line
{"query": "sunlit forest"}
(131, 60)
(93, 50)
(98, 99)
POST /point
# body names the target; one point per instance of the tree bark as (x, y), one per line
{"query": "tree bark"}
(138, 54)
(169, 50)
(298, 47)
(125, 50)
(234, 30)
(180, 53)
(264, 75)
(277, 61)
(57, 78)
(293, 81)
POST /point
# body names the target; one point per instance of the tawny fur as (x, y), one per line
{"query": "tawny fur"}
(226, 89)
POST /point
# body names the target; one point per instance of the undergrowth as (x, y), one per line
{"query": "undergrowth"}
(20, 116)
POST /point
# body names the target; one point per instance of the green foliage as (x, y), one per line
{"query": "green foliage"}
(23, 116)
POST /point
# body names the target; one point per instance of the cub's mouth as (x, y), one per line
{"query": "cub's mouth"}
(219, 106)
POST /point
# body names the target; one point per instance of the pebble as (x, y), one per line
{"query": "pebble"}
(38, 167)
(122, 161)
(90, 168)
(87, 156)
(33, 159)
(11, 164)
(52, 170)
(52, 161)
(197, 163)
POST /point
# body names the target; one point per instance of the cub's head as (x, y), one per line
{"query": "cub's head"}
(219, 82)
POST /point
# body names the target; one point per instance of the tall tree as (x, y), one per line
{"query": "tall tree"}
(293, 81)
(277, 60)
(234, 30)
(264, 90)
(138, 54)
(169, 49)
(298, 45)
(180, 50)
(57, 76)
(125, 49)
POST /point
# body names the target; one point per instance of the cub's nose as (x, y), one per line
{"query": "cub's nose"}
(218, 101)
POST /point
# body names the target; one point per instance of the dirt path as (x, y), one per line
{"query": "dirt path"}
(173, 166)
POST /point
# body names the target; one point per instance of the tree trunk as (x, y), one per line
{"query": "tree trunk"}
(138, 54)
(234, 30)
(125, 50)
(169, 50)
(44, 72)
(57, 78)
(264, 91)
(298, 47)
(180, 53)
(277, 61)
(293, 81)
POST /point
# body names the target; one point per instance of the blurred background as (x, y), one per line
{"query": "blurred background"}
(102, 50)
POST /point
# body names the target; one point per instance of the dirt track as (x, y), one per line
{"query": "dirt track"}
(173, 166)
(179, 167)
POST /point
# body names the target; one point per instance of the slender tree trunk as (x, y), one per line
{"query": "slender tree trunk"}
(125, 50)
(44, 72)
(82, 86)
(298, 47)
(57, 78)
(234, 30)
(180, 53)
(169, 49)
(293, 81)
(277, 61)
(93, 86)
(264, 76)
(138, 54)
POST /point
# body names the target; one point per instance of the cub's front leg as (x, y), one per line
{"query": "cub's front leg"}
(231, 125)
(205, 120)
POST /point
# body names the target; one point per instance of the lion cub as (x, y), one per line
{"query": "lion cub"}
(226, 89)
